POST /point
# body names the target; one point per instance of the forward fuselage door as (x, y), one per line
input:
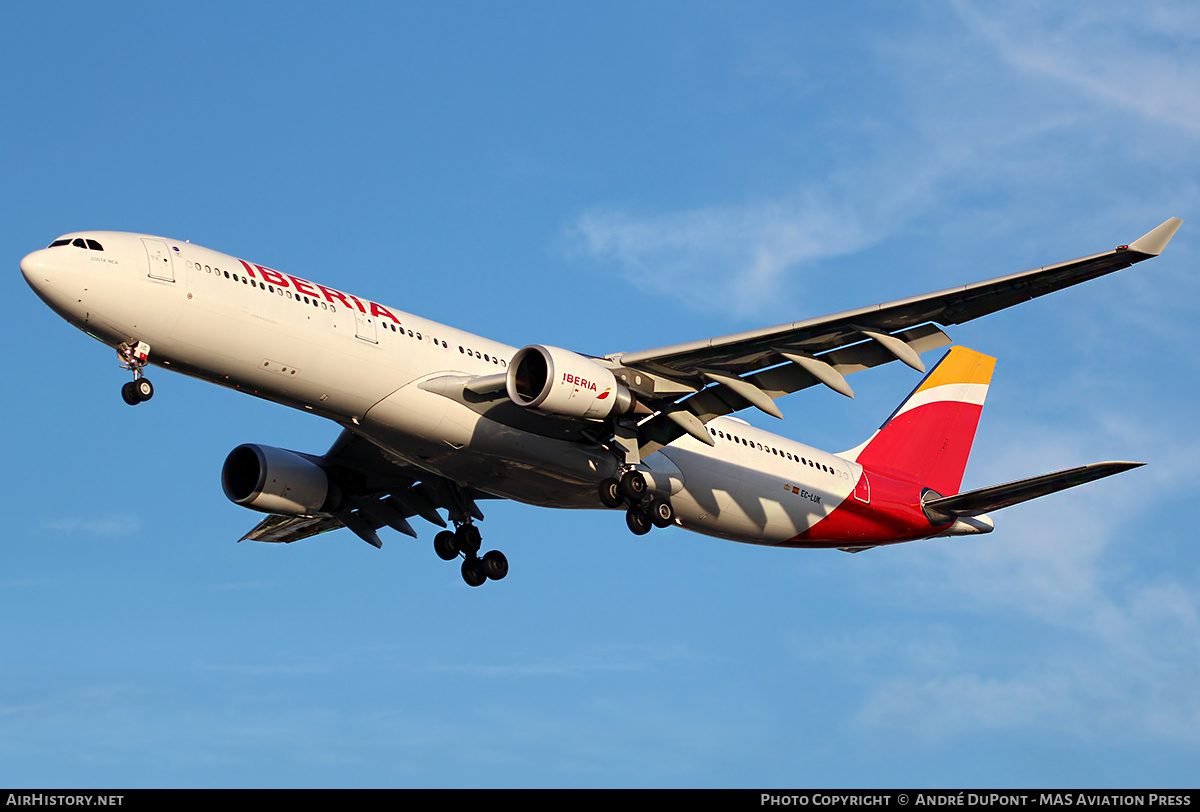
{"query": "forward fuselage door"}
(159, 256)
(365, 327)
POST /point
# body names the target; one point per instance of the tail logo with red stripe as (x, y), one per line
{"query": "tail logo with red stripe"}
(928, 439)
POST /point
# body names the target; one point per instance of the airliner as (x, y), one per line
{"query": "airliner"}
(436, 420)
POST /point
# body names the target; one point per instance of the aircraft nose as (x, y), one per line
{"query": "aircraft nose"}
(35, 269)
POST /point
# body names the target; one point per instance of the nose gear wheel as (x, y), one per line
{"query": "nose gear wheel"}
(134, 355)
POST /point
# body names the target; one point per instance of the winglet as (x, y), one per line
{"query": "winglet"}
(1153, 242)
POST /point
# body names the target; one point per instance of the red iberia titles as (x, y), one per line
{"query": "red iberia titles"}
(318, 292)
(575, 380)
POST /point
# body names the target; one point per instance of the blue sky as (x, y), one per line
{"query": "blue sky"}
(610, 177)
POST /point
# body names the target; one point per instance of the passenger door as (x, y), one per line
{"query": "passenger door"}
(159, 256)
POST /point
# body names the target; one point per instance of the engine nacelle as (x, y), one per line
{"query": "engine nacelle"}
(273, 480)
(563, 382)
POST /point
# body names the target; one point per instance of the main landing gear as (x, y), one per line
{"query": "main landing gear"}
(642, 513)
(133, 355)
(465, 540)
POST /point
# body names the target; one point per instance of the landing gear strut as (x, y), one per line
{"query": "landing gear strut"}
(642, 513)
(133, 355)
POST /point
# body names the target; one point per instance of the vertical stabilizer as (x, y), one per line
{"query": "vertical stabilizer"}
(928, 439)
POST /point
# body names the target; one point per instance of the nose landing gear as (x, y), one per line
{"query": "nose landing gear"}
(133, 355)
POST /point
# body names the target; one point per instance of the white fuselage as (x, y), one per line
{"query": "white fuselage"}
(375, 369)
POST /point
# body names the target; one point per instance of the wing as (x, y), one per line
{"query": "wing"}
(683, 386)
(730, 373)
(755, 349)
(377, 490)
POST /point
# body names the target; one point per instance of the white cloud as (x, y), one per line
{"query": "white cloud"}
(1123, 55)
(114, 524)
(1031, 111)
(235, 586)
(1093, 642)
(690, 254)
(946, 705)
(603, 658)
(29, 582)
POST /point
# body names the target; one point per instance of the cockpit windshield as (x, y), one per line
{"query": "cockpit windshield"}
(78, 242)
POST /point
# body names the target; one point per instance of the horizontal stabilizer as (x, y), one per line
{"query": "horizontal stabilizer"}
(972, 503)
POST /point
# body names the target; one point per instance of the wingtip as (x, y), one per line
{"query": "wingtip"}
(1111, 467)
(1153, 242)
